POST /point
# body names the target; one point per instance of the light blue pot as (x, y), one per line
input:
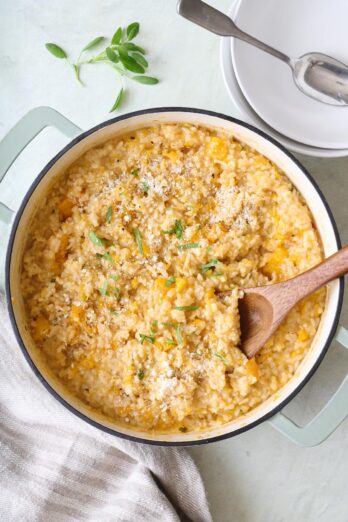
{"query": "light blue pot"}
(29, 126)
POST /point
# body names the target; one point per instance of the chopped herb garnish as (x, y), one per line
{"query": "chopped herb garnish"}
(113, 277)
(108, 257)
(189, 245)
(183, 429)
(169, 281)
(154, 327)
(168, 325)
(117, 294)
(141, 375)
(104, 289)
(144, 187)
(149, 338)
(170, 341)
(188, 308)
(138, 240)
(96, 240)
(221, 357)
(178, 229)
(211, 265)
(114, 312)
(216, 274)
(135, 173)
(108, 215)
(178, 334)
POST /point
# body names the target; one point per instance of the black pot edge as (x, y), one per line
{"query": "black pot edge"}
(60, 399)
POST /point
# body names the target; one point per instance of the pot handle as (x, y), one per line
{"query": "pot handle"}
(13, 144)
(326, 421)
(22, 134)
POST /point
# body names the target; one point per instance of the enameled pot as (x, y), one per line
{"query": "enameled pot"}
(36, 120)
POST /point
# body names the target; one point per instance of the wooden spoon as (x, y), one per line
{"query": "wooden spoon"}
(263, 309)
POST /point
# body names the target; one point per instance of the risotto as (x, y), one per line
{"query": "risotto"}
(125, 262)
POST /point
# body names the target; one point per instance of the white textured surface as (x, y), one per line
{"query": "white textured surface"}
(258, 476)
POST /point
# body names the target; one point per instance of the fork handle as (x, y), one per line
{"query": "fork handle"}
(217, 22)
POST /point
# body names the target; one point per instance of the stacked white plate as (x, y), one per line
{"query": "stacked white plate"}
(262, 87)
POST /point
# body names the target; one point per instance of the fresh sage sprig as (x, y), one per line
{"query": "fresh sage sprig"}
(123, 55)
(91, 45)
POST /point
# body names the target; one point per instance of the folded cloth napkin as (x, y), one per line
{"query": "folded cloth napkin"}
(54, 467)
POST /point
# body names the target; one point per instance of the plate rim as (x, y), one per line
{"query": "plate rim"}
(234, 11)
(247, 112)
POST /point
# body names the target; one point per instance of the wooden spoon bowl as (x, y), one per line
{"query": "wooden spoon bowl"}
(262, 309)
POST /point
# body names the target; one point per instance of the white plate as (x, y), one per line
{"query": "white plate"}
(250, 116)
(294, 27)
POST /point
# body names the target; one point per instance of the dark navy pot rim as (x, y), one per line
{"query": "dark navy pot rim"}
(24, 350)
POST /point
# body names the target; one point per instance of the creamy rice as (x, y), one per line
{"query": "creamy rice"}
(124, 263)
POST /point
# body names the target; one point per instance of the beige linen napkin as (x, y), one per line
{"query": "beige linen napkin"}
(54, 467)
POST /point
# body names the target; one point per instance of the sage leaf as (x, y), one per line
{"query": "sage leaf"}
(130, 46)
(111, 55)
(132, 30)
(130, 64)
(146, 80)
(57, 51)
(77, 72)
(117, 37)
(98, 58)
(93, 43)
(140, 59)
(117, 101)
(123, 52)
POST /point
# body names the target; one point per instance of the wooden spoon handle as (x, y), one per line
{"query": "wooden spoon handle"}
(331, 268)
